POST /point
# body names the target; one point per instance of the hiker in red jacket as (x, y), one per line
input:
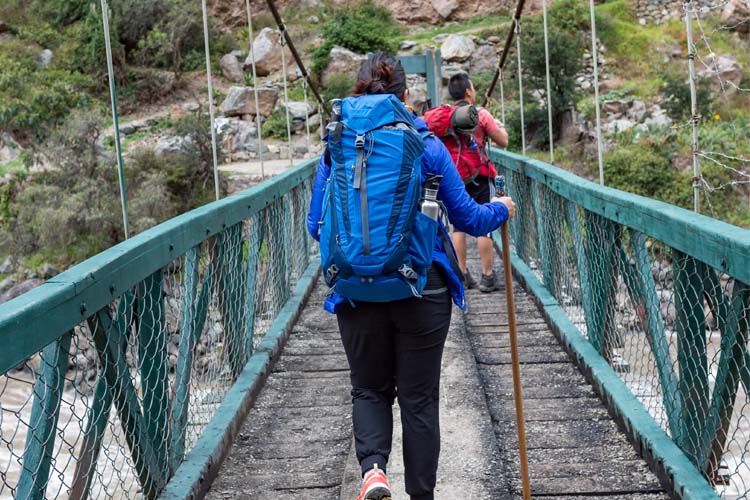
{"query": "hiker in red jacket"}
(464, 130)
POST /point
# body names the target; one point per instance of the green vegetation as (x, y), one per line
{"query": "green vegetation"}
(275, 125)
(338, 86)
(362, 27)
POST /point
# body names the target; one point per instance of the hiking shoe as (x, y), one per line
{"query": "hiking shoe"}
(469, 281)
(489, 283)
(375, 485)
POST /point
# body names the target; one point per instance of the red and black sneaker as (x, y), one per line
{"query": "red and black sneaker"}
(375, 485)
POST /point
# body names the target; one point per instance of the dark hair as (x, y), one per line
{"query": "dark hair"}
(458, 85)
(380, 74)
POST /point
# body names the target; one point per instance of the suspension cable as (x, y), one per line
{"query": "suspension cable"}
(506, 50)
(115, 118)
(210, 99)
(295, 54)
(286, 101)
(688, 7)
(502, 97)
(255, 89)
(549, 86)
(520, 84)
(595, 58)
(307, 113)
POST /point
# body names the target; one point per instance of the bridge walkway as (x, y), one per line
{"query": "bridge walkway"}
(296, 441)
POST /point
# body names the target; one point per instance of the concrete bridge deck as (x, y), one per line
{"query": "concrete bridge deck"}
(296, 441)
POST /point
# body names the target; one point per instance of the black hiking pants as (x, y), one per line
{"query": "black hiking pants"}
(395, 350)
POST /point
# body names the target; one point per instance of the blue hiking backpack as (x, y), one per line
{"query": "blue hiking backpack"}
(375, 244)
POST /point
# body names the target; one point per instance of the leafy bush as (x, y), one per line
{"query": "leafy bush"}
(566, 48)
(676, 96)
(362, 27)
(275, 125)
(338, 86)
(78, 200)
(643, 169)
(34, 99)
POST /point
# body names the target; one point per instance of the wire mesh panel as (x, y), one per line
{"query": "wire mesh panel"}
(672, 323)
(110, 408)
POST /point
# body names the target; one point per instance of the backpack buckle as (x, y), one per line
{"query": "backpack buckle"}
(408, 273)
(331, 273)
(359, 142)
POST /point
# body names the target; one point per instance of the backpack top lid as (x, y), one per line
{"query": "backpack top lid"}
(369, 112)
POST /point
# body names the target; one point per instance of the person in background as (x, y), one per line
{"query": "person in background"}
(479, 184)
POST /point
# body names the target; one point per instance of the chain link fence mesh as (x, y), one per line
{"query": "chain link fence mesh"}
(110, 409)
(673, 328)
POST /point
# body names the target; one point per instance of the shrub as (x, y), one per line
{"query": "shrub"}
(676, 96)
(77, 204)
(275, 125)
(362, 27)
(34, 99)
(639, 169)
(338, 86)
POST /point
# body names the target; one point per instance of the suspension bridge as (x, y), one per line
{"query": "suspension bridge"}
(194, 359)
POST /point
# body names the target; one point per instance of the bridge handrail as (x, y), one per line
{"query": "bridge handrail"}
(52, 309)
(137, 365)
(723, 246)
(653, 301)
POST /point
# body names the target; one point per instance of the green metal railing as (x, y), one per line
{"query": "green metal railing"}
(654, 301)
(131, 368)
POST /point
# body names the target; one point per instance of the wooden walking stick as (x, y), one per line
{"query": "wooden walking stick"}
(517, 389)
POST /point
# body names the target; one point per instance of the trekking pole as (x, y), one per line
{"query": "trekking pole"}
(517, 389)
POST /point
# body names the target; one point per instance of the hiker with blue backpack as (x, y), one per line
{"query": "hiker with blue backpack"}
(382, 190)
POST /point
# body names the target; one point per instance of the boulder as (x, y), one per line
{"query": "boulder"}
(615, 107)
(449, 70)
(343, 61)
(727, 69)
(231, 68)
(8, 265)
(407, 45)
(190, 107)
(299, 110)
(241, 101)
(44, 58)
(171, 145)
(417, 98)
(457, 48)
(9, 149)
(267, 53)
(48, 271)
(242, 137)
(736, 15)
(483, 59)
(658, 118)
(637, 111)
(570, 129)
(20, 289)
(618, 126)
(444, 7)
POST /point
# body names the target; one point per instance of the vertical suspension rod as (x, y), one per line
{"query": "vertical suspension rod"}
(255, 88)
(210, 98)
(520, 85)
(595, 58)
(506, 50)
(115, 118)
(286, 102)
(688, 7)
(295, 54)
(549, 85)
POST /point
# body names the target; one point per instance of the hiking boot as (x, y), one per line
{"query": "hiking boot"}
(375, 485)
(489, 283)
(469, 281)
